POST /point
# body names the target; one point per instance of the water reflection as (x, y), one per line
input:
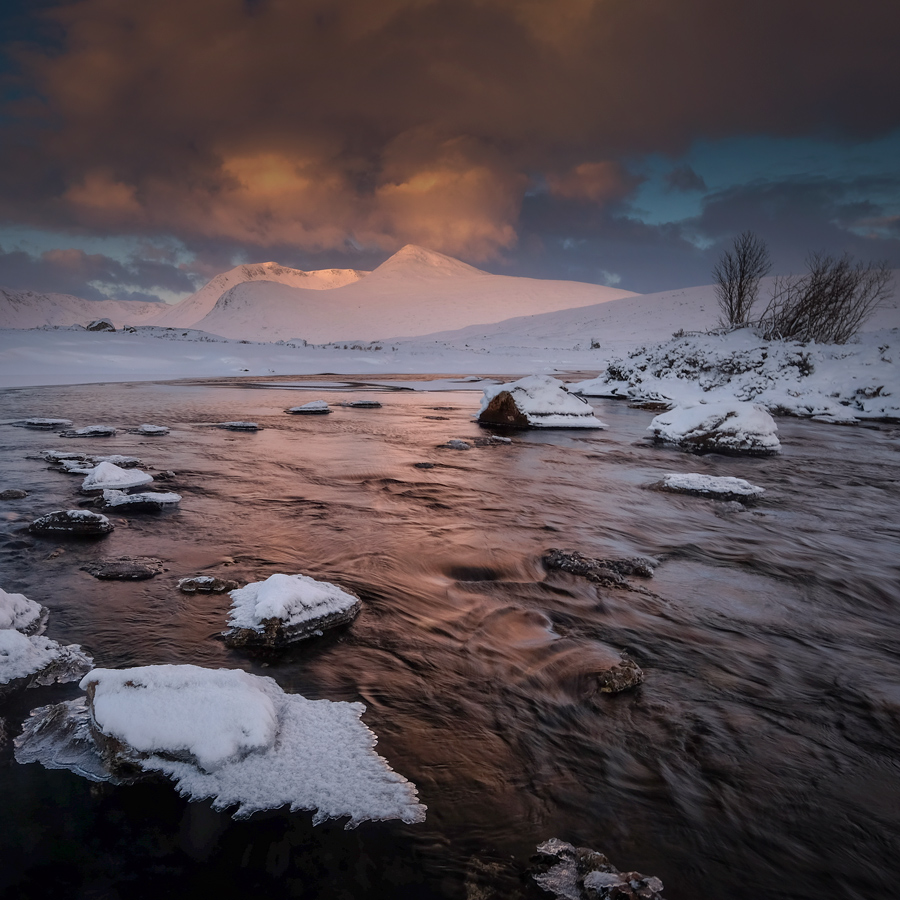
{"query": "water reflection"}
(758, 759)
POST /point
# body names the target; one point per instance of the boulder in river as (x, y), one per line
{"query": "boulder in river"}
(732, 427)
(537, 401)
(47, 424)
(71, 523)
(284, 609)
(609, 572)
(125, 568)
(109, 476)
(13, 494)
(152, 429)
(205, 584)
(238, 426)
(93, 431)
(577, 873)
(716, 487)
(363, 404)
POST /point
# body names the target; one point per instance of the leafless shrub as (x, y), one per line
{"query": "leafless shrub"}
(829, 303)
(736, 276)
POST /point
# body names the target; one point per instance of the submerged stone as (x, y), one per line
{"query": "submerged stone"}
(125, 568)
(610, 572)
(205, 584)
(238, 426)
(47, 423)
(13, 494)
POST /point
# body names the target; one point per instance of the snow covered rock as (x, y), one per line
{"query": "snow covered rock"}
(75, 523)
(287, 608)
(577, 873)
(456, 444)
(146, 500)
(21, 614)
(536, 401)
(224, 735)
(725, 426)
(152, 429)
(36, 660)
(107, 475)
(47, 423)
(718, 487)
(313, 408)
(100, 325)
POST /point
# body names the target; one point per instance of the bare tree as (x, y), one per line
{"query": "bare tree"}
(737, 275)
(829, 303)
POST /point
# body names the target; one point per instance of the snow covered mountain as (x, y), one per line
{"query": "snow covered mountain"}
(416, 291)
(29, 309)
(195, 307)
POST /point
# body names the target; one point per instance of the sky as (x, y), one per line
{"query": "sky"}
(145, 147)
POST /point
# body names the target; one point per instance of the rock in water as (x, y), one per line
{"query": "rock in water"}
(537, 401)
(205, 584)
(313, 408)
(21, 614)
(363, 404)
(223, 735)
(93, 431)
(74, 523)
(152, 429)
(717, 488)
(239, 426)
(125, 568)
(13, 494)
(577, 873)
(609, 572)
(727, 426)
(284, 609)
(48, 424)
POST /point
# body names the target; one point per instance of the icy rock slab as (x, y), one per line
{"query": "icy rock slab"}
(152, 429)
(26, 661)
(536, 401)
(108, 475)
(117, 459)
(313, 408)
(21, 614)
(238, 426)
(717, 487)
(725, 426)
(577, 873)
(284, 609)
(94, 431)
(47, 423)
(205, 584)
(74, 523)
(147, 500)
(125, 568)
(223, 735)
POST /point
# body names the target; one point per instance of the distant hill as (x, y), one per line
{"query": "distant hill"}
(416, 291)
(30, 309)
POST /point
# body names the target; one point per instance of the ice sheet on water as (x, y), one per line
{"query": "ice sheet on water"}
(257, 747)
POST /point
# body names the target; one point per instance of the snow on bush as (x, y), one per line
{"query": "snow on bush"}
(223, 735)
(838, 383)
(108, 475)
(538, 401)
(723, 427)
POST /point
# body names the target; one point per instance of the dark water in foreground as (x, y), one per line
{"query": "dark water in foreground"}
(761, 758)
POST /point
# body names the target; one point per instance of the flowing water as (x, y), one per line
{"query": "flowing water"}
(761, 757)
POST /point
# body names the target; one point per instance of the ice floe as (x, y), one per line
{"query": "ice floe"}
(724, 426)
(536, 401)
(107, 475)
(223, 735)
(287, 608)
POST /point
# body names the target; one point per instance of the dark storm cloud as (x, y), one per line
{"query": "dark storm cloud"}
(312, 124)
(93, 276)
(684, 178)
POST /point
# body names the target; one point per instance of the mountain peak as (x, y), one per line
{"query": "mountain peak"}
(415, 260)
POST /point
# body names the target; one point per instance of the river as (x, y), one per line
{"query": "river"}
(760, 758)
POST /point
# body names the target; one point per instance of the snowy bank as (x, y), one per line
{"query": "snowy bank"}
(223, 735)
(287, 608)
(536, 401)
